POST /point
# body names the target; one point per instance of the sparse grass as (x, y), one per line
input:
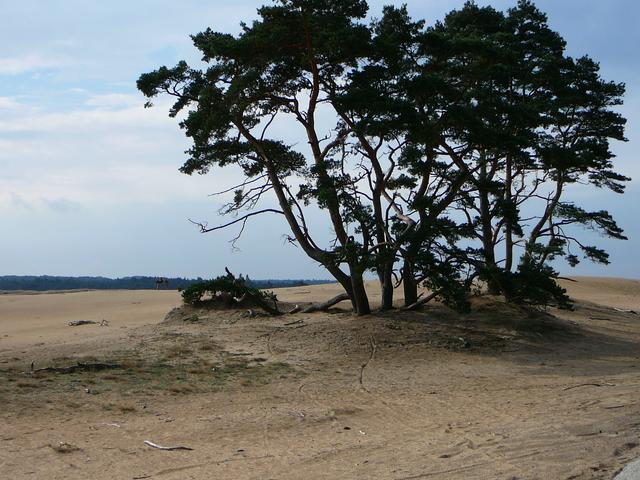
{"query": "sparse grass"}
(169, 363)
(64, 447)
(127, 407)
(179, 350)
(27, 384)
(521, 319)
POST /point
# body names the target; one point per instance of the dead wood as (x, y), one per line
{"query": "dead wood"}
(420, 302)
(256, 299)
(372, 353)
(160, 447)
(77, 323)
(295, 322)
(633, 312)
(295, 309)
(321, 307)
(590, 385)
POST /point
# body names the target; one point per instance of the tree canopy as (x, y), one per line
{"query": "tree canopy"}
(442, 155)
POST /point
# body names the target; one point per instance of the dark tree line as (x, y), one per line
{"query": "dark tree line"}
(47, 282)
(452, 152)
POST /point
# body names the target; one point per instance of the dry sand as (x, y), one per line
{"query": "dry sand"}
(29, 319)
(496, 394)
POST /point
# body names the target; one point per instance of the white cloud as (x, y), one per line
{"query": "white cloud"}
(114, 186)
(114, 100)
(111, 152)
(9, 103)
(28, 63)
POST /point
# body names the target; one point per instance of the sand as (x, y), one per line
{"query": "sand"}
(495, 394)
(29, 319)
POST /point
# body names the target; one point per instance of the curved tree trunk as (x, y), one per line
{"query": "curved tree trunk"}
(409, 284)
(359, 297)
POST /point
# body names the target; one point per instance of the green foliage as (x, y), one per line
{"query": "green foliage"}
(227, 290)
(536, 285)
(452, 149)
(520, 121)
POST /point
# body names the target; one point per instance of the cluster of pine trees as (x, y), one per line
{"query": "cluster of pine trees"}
(451, 153)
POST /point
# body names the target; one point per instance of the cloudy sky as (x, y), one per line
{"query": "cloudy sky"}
(88, 178)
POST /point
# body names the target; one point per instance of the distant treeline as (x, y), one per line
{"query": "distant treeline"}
(47, 282)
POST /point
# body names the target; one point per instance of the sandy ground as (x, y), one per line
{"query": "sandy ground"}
(500, 393)
(29, 319)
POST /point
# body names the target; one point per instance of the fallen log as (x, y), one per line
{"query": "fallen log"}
(321, 307)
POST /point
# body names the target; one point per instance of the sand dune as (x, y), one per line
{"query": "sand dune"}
(34, 318)
(500, 393)
(612, 292)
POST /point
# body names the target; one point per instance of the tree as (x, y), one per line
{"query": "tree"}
(447, 155)
(524, 122)
(277, 67)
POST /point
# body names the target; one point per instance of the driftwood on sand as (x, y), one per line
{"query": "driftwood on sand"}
(160, 447)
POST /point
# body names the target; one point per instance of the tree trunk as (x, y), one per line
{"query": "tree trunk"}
(508, 233)
(359, 298)
(488, 246)
(409, 284)
(385, 276)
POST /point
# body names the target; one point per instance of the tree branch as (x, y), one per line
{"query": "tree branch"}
(204, 229)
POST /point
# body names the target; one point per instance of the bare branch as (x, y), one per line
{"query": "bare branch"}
(204, 229)
(240, 185)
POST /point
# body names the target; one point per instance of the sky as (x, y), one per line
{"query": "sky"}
(89, 181)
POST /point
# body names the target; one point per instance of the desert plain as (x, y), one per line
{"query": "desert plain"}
(501, 393)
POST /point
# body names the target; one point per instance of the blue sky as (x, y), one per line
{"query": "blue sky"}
(88, 178)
